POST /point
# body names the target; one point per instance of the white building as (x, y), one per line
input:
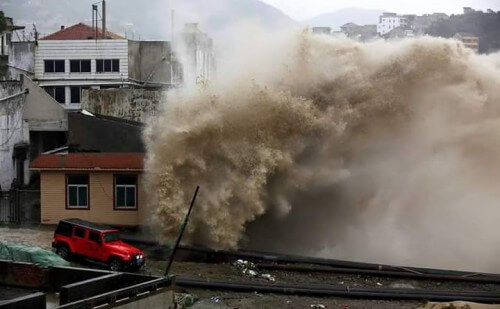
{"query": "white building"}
(6, 36)
(389, 21)
(78, 57)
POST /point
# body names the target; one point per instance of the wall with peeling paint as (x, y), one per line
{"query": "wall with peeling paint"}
(21, 59)
(13, 131)
(126, 103)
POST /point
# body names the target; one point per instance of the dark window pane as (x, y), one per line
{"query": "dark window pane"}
(131, 196)
(99, 66)
(49, 66)
(59, 66)
(82, 196)
(74, 66)
(78, 179)
(60, 94)
(72, 196)
(94, 236)
(85, 66)
(120, 196)
(126, 179)
(50, 91)
(116, 65)
(107, 65)
(75, 95)
(79, 232)
(64, 228)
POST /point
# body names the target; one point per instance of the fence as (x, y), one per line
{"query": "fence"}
(18, 206)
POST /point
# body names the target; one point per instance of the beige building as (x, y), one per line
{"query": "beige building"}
(471, 41)
(98, 187)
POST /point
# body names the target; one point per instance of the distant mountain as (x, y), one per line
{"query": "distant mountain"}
(147, 19)
(341, 17)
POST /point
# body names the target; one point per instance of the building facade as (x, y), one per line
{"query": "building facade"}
(389, 21)
(75, 58)
(469, 40)
(99, 187)
(30, 122)
(6, 36)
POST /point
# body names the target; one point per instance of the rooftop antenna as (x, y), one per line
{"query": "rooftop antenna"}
(94, 19)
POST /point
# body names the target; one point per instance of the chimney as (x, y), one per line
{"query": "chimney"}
(62, 27)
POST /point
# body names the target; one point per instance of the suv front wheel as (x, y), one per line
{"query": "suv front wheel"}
(115, 264)
(63, 251)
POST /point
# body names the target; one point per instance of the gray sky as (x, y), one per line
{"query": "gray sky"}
(304, 9)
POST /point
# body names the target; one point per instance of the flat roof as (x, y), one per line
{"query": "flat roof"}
(90, 161)
(87, 224)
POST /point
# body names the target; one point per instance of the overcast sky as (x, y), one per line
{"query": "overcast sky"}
(304, 9)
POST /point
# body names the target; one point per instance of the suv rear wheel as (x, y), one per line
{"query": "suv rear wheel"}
(115, 264)
(63, 251)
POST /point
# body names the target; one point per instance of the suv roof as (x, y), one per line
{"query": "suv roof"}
(87, 224)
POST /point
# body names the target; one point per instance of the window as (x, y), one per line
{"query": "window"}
(76, 94)
(58, 93)
(111, 236)
(64, 229)
(54, 66)
(77, 191)
(125, 191)
(95, 237)
(79, 232)
(79, 66)
(107, 65)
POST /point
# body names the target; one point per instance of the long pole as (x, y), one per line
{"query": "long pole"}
(104, 19)
(183, 227)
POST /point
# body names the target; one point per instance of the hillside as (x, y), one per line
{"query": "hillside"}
(152, 21)
(483, 25)
(341, 17)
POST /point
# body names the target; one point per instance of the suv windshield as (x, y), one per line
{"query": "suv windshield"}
(111, 236)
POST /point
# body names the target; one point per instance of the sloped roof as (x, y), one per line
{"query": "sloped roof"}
(90, 161)
(80, 31)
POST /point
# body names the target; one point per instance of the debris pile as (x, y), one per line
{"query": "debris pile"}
(249, 269)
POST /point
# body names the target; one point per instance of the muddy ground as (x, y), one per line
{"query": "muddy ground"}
(42, 237)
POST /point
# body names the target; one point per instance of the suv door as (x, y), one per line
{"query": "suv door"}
(78, 240)
(94, 245)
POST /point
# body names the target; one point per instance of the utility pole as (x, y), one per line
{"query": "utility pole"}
(179, 237)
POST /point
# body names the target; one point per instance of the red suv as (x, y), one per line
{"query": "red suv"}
(96, 242)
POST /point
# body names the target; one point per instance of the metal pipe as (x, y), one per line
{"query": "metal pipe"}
(14, 95)
(183, 228)
(379, 273)
(323, 290)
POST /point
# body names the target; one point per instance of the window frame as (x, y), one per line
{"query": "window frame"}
(99, 237)
(76, 227)
(73, 61)
(51, 90)
(53, 61)
(104, 63)
(115, 193)
(72, 207)
(80, 89)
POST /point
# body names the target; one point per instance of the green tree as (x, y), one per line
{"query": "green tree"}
(3, 22)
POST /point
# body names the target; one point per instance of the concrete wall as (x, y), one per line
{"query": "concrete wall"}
(131, 104)
(196, 54)
(13, 131)
(101, 210)
(152, 63)
(21, 59)
(41, 111)
(89, 133)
